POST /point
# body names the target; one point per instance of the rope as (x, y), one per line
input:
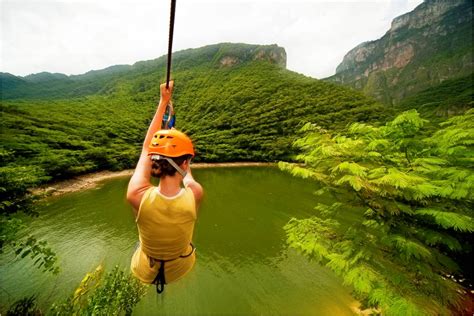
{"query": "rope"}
(170, 42)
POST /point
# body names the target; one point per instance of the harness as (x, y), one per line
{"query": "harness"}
(160, 279)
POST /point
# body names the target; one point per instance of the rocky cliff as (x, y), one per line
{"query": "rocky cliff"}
(230, 54)
(423, 48)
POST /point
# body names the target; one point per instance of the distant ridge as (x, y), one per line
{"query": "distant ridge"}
(41, 85)
(424, 47)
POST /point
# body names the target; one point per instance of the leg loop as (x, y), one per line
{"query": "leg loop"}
(160, 280)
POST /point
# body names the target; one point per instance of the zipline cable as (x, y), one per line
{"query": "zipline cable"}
(170, 42)
(169, 118)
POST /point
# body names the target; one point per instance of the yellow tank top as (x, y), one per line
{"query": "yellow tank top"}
(165, 228)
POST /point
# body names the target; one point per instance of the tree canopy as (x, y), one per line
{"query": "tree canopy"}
(408, 200)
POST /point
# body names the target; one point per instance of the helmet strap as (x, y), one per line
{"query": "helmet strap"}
(174, 164)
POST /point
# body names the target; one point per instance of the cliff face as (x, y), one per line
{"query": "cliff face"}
(233, 55)
(422, 49)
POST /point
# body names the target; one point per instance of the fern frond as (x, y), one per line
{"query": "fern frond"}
(350, 168)
(402, 306)
(375, 173)
(363, 129)
(380, 296)
(398, 179)
(362, 278)
(409, 249)
(337, 263)
(424, 190)
(330, 151)
(432, 238)
(459, 222)
(378, 144)
(370, 223)
(374, 154)
(354, 181)
(410, 118)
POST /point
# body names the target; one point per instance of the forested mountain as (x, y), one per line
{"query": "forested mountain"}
(237, 101)
(422, 49)
(46, 85)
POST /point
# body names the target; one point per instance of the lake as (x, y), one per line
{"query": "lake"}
(243, 267)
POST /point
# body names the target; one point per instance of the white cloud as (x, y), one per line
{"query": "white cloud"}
(79, 35)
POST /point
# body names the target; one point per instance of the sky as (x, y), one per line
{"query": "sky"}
(75, 36)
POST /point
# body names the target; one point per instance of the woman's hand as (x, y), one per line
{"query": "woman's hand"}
(166, 93)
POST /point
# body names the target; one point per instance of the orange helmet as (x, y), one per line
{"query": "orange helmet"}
(170, 143)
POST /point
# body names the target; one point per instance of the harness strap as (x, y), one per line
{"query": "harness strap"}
(160, 280)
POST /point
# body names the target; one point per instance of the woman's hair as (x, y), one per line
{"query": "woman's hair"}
(161, 168)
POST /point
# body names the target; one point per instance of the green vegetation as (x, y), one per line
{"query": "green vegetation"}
(410, 201)
(436, 48)
(15, 204)
(452, 97)
(116, 293)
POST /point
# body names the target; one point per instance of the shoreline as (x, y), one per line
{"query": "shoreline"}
(91, 180)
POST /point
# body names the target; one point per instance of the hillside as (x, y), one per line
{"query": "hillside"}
(237, 101)
(452, 97)
(46, 85)
(423, 48)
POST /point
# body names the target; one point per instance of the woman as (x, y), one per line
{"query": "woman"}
(165, 215)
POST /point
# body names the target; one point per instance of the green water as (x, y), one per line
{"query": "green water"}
(243, 265)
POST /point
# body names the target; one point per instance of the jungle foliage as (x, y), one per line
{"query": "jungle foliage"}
(452, 97)
(116, 293)
(410, 201)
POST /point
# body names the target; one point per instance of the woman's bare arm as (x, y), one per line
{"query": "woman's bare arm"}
(140, 180)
